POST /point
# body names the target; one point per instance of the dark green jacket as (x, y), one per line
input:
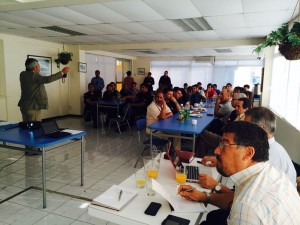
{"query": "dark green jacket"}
(33, 92)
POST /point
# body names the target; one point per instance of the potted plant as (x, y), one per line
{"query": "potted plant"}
(287, 39)
(63, 58)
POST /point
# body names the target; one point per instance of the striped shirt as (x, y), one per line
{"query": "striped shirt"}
(264, 195)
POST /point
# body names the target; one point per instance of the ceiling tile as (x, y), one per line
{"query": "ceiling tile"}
(20, 20)
(7, 24)
(218, 7)
(179, 36)
(266, 19)
(226, 22)
(162, 26)
(154, 37)
(133, 37)
(100, 12)
(134, 28)
(267, 5)
(258, 32)
(135, 10)
(182, 9)
(41, 17)
(114, 38)
(69, 15)
(83, 29)
(232, 33)
(107, 29)
(204, 35)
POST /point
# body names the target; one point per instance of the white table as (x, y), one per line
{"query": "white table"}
(133, 213)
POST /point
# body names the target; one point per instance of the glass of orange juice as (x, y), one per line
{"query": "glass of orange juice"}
(181, 176)
(151, 172)
(140, 180)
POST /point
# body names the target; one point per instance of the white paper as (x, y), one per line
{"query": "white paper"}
(72, 131)
(179, 204)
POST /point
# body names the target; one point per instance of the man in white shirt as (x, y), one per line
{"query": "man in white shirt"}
(264, 195)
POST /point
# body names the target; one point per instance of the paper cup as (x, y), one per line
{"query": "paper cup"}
(194, 122)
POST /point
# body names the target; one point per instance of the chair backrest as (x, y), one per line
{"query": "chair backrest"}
(126, 113)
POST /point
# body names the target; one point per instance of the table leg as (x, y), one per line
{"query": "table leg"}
(150, 141)
(82, 159)
(44, 178)
(194, 142)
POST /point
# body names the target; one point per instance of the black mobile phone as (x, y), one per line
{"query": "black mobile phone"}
(209, 114)
(153, 208)
(175, 220)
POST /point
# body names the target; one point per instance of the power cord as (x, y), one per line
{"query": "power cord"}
(12, 162)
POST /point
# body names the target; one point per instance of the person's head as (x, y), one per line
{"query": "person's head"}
(247, 87)
(229, 86)
(128, 73)
(91, 87)
(208, 87)
(215, 86)
(133, 86)
(113, 84)
(149, 74)
(242, 105)
(109, 87)
(177, 93)
(225, 95)
(199, 84)
(166, 73)
(168, 93)
(159, 97)
(97, 73)
(243, 144)
(185, 85)
(263, 117)
(144, 88)
(32, 65)
(195, 88)
(236, 96)
(125, 87)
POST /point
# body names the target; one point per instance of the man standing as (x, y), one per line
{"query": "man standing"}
(129, 79)
(149, 81)
(98, 83)
(165, 81)
(33, 93)
(264, 195)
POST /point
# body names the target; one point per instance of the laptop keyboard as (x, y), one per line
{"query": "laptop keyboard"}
(192, 172)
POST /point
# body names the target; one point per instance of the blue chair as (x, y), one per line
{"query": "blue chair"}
(156, 142)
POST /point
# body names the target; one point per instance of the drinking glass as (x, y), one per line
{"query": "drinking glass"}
(156, 155)
(181, 176)
(151, 172)
(140, 178)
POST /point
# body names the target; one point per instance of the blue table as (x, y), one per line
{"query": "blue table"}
(27, 137)
(172, 125)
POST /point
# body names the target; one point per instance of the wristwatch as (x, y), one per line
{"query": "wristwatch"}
(207, 200)
(217, 188)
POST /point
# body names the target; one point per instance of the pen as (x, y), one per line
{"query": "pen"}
(120, 194)
(191, 189)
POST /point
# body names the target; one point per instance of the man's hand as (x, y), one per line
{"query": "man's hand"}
(66, 70)
(207, 181)
(194, 195)
(210, 161)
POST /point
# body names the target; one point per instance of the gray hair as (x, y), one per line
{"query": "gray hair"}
(263, 117)
(30, 63)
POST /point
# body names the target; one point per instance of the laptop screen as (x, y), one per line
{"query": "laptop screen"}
(173, 157)
(49, 127)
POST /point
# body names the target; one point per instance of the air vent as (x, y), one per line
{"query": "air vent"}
(63, 30)
(210, 59)
(223, 50)
(147, 52)
(193, 24)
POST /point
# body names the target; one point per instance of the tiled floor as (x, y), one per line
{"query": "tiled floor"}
(109, 159)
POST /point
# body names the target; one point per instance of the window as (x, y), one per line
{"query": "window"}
(285, 89)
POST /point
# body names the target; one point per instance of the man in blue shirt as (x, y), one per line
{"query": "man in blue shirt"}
(98, 82)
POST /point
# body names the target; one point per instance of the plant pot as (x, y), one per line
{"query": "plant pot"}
(290, 52)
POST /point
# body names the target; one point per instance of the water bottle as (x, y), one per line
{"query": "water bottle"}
(187, 111)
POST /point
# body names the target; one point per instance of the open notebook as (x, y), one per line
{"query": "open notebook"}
(116, 197)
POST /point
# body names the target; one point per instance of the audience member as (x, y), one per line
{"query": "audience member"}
(125, 91)
(110, 94)
(133, 88)
(90, 101)
(264, 195)
(129, 79)
(115, 91)
(171, 100)
(98, 83)
(210, 92)
(165, 81)
(223, 106)
(149, 81)
(233, 114)
(178, 95)
(215, 87)
(196, 97)
(229, 86)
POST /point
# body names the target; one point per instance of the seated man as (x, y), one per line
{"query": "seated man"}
(264, 195)
(109, 95)
(196, 97)
(178, 95)
(223, 106)
(90, 99)
(171, 100)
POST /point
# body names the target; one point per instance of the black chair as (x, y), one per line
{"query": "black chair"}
(156, 142)
(121, 120)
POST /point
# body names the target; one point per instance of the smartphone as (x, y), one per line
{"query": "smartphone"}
(153, 208)
(209, 114)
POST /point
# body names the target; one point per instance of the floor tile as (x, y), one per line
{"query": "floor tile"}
(53, 219)
(72, 208)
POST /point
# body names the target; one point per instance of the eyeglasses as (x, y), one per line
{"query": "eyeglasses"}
(222, 145)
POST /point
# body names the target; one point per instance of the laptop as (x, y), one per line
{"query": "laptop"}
(50, 129)
(192, 171)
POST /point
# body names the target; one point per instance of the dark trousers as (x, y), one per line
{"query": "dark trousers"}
(216, 217)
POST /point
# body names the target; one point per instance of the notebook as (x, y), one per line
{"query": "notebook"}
(192, 171)
(50, 129)
(116, 197)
